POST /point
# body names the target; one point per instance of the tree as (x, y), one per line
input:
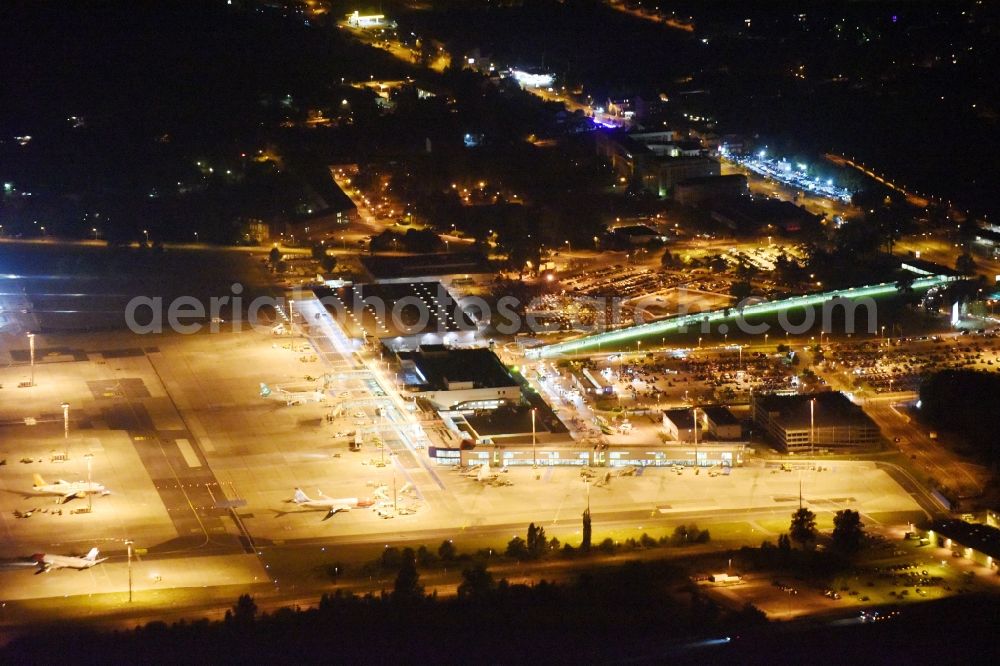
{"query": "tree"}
(407, 587)
(318, 251)
(965, 264)
(847, 531)
(585, 544)
(740, 290)
(425, 557)
(803, 527)
(904, 285)
(477, 583)
(274, 256)
(517, 548)
(668, 260)
(536, 543)
(328, 262)
(244, 611)
(446, 551)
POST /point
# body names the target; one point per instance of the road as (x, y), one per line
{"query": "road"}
(941, 464)
(669, 21)
(775, 190)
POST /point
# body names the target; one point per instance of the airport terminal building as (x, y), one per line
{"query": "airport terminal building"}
(458, 379)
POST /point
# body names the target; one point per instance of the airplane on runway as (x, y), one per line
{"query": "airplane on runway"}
(68, 489)
(291, 397)
(47, 563)
(332, 505)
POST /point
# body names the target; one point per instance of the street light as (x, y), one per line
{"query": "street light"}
(694, 417)
(31, 351)
(128, 542)
(90, 495)
(812, 426)
(534, 454)
(65, 408)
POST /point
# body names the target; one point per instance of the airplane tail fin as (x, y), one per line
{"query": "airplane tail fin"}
(39, 481)
(299, 496)
(92, 555)
(484, 471)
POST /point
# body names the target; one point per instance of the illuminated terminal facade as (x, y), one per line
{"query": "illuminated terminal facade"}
(458, 379)
(721, 455)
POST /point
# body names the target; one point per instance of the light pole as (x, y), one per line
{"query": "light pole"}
(90, 494)
(812, 426)
(534, 454)
(65, 408)
(694, 417)
(128, 542)
(31, 352)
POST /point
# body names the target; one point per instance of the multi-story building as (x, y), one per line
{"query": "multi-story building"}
(459, 379)
(828, 420)
(653, 162)
(720, 422)
(680, 425)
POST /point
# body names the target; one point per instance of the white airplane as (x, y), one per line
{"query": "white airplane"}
(330, 504)
(69, 489)
(483, 473)
(48, 562)
(291, 397)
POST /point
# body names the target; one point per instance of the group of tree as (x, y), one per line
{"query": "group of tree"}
(414, 240)
(610, 606)
(847, 537)
(532, 548)
(320, 253)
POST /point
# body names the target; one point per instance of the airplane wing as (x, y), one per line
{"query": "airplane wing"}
(336, 509)
(68, 496)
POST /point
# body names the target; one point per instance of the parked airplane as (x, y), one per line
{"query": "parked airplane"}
(330, 504)
(291, 397)
(48, 562)
(483, 473)
(68, 489)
